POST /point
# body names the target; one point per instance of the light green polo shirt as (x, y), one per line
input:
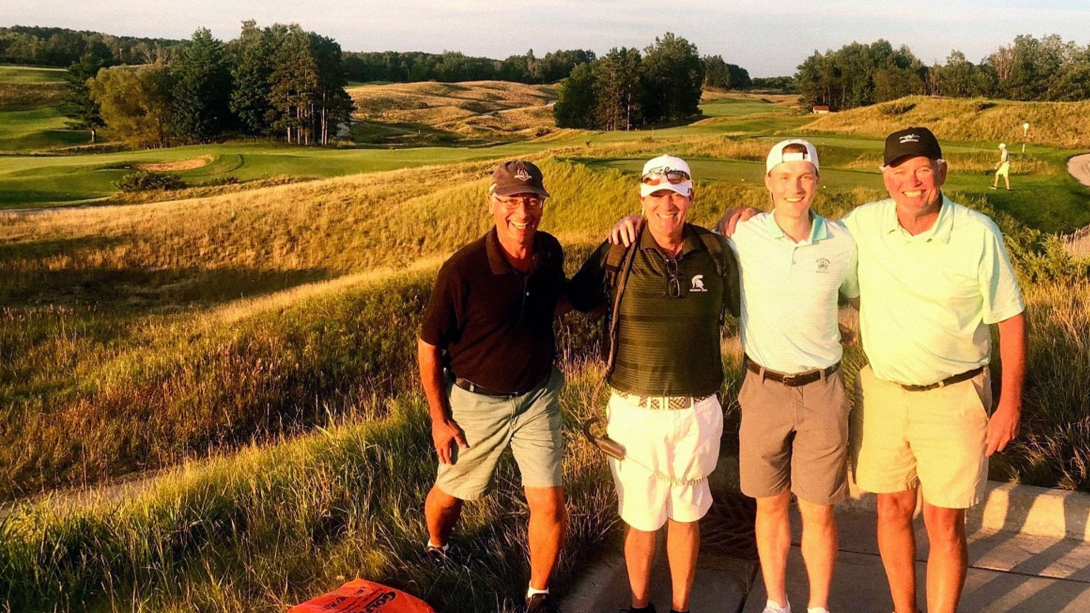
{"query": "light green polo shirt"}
(927, 300)
(789, 292)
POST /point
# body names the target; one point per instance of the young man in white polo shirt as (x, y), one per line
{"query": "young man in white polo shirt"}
(794, 432)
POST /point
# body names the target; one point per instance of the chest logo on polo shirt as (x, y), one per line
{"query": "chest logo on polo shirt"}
(698, 284)
(823, 265)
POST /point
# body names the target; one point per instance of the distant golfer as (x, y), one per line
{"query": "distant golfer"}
(486, 354)
(1003, 168)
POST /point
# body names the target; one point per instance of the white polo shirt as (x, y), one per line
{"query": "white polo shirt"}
(928, 299)
(789, 292)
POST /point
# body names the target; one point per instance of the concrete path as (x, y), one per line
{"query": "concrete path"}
(1028, 553)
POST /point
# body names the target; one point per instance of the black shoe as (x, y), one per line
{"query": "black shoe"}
(541, 603)
(650, 608)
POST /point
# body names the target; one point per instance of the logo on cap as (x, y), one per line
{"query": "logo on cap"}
(910, 138)
(521, 174)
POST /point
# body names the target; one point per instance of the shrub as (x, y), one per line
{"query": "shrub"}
(897, 107)
(146, 181)
(218, 181)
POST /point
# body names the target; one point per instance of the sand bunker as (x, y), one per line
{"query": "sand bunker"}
(1079, 167)
(204, 160)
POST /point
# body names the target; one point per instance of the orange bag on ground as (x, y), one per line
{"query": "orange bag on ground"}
(361, 596)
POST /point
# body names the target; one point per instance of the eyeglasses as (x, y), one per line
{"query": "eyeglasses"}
(532, 203)
(673, 282)
(657, 176)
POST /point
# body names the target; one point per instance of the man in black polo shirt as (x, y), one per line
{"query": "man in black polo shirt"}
(489, 322)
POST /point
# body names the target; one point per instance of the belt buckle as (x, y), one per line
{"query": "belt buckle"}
(789, 380)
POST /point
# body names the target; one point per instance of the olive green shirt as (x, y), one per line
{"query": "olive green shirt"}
(668, 341)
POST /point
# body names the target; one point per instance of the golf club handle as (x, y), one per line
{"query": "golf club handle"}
(607, 445)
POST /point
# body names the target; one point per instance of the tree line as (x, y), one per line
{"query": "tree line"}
(453, 66)
(625, 88)
(268, 81)
(60, 47)
(1028, 69)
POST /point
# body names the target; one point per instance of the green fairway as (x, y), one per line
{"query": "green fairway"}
(734, 107)
(28, 74)
(30, 181)
(737, 171)
(1045, 196)
(41, 128)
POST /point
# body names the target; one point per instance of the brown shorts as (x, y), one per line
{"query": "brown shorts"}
(794, 438)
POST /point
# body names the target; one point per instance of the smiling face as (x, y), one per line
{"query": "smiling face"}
(517, 217)
(792, 186)
(666, 211)
(915, 184)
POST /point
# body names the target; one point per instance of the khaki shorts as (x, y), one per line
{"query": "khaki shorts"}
(1004, 169)
(794, 438)
(681, 445)
(934, 439)
(529, 423)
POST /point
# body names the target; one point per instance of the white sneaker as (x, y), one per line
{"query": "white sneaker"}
(772, 607)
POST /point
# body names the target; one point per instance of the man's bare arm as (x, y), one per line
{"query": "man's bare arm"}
(729, 221)
(444, 430)
(1003, 425)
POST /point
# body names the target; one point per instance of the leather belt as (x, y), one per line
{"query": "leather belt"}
(965, 376)
(661, 403)
(795, 380)
(470, 386)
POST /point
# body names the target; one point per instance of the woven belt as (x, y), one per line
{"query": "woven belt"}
(470, 386)
(965, 376)
(795, 380)
(661, 403)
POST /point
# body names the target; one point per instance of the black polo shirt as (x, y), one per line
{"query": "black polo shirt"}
(495, 322)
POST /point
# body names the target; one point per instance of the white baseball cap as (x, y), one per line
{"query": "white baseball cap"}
(662, 165)
(1002, 145)
(777, 156)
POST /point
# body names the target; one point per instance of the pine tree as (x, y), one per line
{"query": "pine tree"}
(77, 104)
(201, 90)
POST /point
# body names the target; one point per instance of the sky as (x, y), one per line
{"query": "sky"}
(766, 38)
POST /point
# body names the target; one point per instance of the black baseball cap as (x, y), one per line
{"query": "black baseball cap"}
(911, 142)
(517, 177)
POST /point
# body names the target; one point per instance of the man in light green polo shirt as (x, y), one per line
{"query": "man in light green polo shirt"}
(794, 431)
(933, 277)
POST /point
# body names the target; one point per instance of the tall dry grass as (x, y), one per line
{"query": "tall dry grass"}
(470, 110)
(269, 527)
(1055, 124)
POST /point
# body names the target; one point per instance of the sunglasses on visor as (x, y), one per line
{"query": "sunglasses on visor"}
(656, 177)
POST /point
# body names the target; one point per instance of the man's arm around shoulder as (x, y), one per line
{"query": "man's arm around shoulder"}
(444, 430)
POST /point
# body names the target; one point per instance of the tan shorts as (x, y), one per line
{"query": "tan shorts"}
(794, 438)
(669, 454)
(934, 439)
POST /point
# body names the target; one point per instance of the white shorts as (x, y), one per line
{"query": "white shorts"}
(669, 454)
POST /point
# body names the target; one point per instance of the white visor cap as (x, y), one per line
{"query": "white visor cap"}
(661, 165)
(777, 156)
